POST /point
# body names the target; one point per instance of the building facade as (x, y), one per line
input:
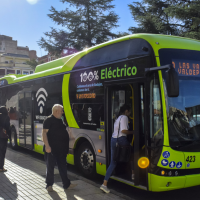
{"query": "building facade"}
(13, 58)
(47, 58)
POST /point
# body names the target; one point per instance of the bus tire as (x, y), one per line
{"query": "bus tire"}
(86, 160)
(13, 141)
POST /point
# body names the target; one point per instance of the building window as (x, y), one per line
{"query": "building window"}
(6, 61)
(18, 71)
(2, 71)
(31, 72)
(9, 71)
(25, 72)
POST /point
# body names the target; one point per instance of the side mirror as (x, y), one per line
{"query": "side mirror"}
(172, 82)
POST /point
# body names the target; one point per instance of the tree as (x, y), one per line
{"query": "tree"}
(188, 14)
(171, 17)
(152, 17)
(88, 23)
(33, 63)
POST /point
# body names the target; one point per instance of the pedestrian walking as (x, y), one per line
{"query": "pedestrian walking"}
(4, 135)
(56, 147)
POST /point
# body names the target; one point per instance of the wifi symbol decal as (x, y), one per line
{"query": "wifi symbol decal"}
(41, 98)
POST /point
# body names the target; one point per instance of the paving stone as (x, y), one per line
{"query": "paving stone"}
(25, 179)
(20, 198)
(4, 195)
(33, 198)
(44, 197)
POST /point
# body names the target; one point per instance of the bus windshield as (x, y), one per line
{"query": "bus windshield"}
(184, 110)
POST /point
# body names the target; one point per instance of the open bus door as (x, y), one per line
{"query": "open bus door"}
(131, 93)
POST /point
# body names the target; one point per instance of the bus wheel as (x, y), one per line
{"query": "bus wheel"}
(13, 141)
(86, 160)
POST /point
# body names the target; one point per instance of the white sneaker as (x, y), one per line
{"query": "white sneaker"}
(50, 189)
(133, 176)
(105, 189)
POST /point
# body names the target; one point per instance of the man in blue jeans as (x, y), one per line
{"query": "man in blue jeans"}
(56, 147)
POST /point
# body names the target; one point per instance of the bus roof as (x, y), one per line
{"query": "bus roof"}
(67, 63)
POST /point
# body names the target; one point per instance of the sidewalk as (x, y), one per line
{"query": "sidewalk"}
(25, 179)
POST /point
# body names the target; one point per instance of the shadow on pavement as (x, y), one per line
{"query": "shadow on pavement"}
(54, 195)
(8, 190)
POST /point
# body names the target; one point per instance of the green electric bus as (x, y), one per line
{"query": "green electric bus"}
(156, 75)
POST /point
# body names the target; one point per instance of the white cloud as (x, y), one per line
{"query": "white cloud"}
(32, 1)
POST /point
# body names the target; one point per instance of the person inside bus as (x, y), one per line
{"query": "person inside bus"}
(17, 113)
(122, 118)
(191, 120)
(12, 114)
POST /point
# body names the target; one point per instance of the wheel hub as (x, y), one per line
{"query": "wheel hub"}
(87, 159)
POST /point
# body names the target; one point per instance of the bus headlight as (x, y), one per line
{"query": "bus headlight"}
(143, 162)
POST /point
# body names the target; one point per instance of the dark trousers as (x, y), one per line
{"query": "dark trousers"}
(51, 160)
(3, 147)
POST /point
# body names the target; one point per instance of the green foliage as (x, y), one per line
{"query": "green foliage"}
(152, 17)
(33, 63)
(171, 17)
(87, 23)
(122, 34)
(188, 14)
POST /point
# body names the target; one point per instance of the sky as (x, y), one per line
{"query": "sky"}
(27, 20)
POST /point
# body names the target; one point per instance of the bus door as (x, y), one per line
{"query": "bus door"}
(133, 95)
(25, 120)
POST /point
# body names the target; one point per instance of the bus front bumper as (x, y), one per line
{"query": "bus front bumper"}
(161, 183)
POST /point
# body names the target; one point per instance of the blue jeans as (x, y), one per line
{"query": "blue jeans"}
(122, 141)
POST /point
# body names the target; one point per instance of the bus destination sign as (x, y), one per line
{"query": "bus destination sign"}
(186, 67)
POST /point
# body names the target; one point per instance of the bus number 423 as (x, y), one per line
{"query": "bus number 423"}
(191, 159)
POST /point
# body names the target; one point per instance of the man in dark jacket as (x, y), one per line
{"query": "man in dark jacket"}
(4, 135)
(56, 147)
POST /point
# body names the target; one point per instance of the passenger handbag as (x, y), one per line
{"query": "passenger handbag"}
(3, 133)
(122, 153)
